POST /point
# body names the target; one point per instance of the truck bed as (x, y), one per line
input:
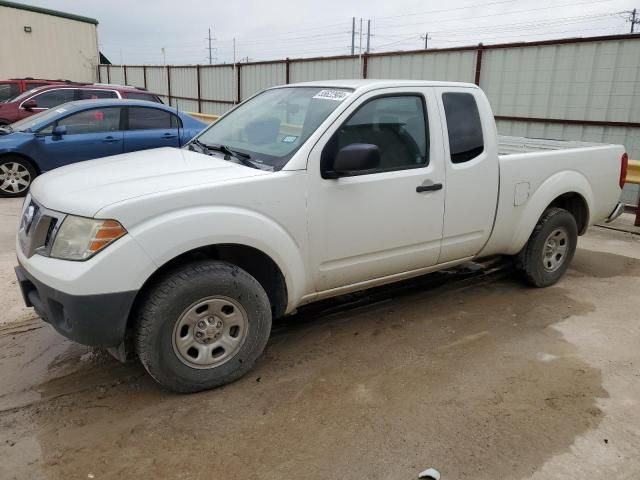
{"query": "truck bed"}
(511, 145)
(532, 170)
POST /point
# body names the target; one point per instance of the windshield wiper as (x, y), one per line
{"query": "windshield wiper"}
(200, 145)
(6, 129)
(243, 158)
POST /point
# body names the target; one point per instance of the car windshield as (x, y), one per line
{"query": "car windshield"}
(273, 125)
(42, 118)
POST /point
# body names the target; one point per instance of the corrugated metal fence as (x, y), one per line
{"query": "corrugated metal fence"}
(574, 89)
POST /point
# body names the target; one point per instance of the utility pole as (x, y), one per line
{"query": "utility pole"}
(632, 19)
(235, 94)
(353, 36)
(360, 46)
(210, 56)
(368, 34)
(426, 39)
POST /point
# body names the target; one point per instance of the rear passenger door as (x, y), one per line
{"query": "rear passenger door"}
(149, 127)
(472, 171)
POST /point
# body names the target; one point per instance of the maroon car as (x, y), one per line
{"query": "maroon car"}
(15, 86)
(43, 98)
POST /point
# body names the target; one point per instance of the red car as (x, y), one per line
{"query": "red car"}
(50, 96)
(16, 86)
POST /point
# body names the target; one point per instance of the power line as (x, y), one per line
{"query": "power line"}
(591, 2)
(507, 27)
(430, 12)
(499, 37)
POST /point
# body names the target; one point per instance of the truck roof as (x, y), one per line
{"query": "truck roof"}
(371, 84)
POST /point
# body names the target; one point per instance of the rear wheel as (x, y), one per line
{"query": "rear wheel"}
(550, 249)
(16, 175)
(202, 326)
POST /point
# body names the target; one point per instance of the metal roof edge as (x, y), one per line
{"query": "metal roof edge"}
(48, 11)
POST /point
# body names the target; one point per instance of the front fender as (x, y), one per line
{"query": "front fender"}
(167, 236)
(9, 144)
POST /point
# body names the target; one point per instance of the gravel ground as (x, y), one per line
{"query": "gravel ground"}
(471, 373)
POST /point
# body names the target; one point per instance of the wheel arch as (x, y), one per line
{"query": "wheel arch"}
(567, 189)
(554, 193)
(24, 157)
(576, 205)
(255, 262)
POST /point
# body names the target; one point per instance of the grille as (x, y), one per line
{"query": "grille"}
(38, 227)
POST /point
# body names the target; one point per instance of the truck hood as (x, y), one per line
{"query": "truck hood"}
(87, 187)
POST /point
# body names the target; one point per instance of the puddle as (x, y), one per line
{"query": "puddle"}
(604, 265)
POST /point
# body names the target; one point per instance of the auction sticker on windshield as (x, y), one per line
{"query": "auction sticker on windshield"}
(337, 95)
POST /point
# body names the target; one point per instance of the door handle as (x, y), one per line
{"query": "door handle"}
(110, 139)
(429, 188)
(169, 135)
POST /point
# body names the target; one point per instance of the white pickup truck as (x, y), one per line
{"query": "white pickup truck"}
(302, 192)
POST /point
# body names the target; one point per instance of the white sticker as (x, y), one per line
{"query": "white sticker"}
(337, 95)
(289, 139)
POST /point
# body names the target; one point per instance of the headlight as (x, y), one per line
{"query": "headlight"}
(80, 238)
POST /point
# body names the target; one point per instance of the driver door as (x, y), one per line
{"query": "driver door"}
(379, 223)
(92, 133)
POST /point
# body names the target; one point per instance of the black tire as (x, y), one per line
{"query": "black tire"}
(14, 171)
(538, 269)
(167, 303)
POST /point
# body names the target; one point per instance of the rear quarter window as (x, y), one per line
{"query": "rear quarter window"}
(464, 126)
(143, 96)
(96, 94)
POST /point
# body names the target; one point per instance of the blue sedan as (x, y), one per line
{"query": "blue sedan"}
(83, 130)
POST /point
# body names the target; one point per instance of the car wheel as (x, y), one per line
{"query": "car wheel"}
(202, 326)
(550, 249)
(16, 176)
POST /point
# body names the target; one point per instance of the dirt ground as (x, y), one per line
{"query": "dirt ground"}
(468, 372)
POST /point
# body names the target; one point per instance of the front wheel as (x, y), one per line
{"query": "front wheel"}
(550, 249)
(202, 326)
(16, 175)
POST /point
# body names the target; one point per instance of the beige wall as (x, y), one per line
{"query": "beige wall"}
(56, 47)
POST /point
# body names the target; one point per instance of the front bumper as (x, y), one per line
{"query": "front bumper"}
(615, 213)
(97, 320)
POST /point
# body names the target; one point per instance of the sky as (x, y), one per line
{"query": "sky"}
(136, 32)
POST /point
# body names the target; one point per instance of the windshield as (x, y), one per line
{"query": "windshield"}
(273, 125)
(27, 124)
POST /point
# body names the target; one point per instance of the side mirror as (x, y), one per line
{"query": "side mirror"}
(354, 158)
(30, 105)
(59, 131)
